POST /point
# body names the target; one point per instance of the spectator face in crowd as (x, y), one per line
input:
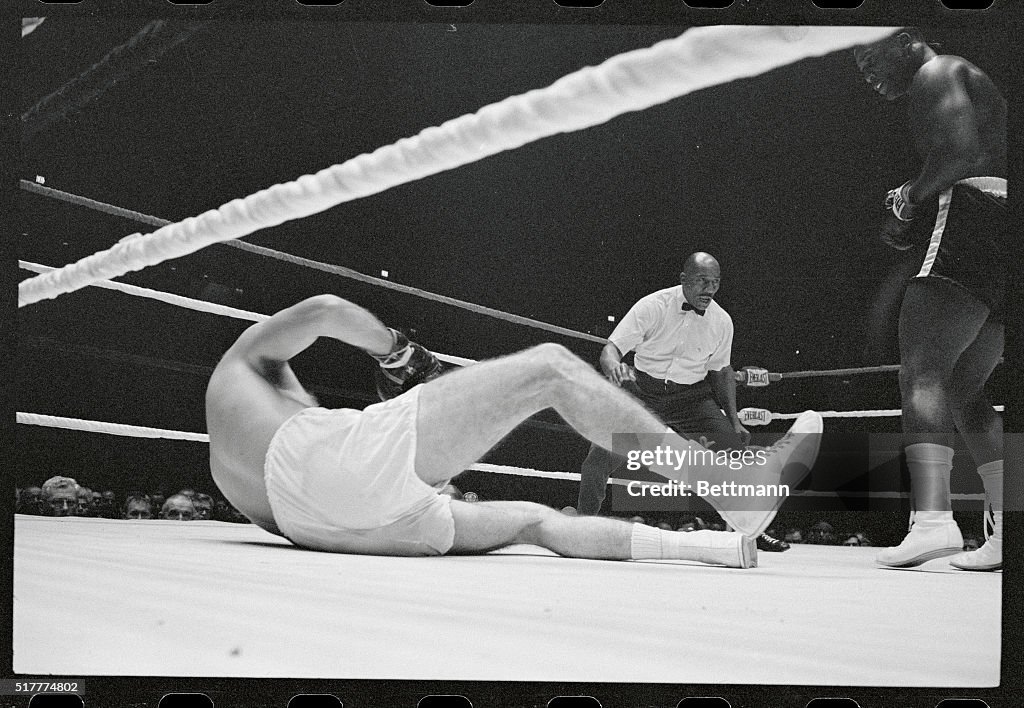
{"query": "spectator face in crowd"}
(30, 501)
(221, 512)
(137, 507)
(61, 495)
(236, 516)
(203, 504)
(794, 535)
(158, 500)
(106, 506)
(178, 507)
(190, 493)
(971, 543)
(664, 526)
(822, 533)
(689, 522)
(84, 501)
(852, 541)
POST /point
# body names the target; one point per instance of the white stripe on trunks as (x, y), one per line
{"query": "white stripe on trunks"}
(940, 225)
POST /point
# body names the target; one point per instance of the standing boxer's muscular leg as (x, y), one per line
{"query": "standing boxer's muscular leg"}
(939, 321)
(982, 431)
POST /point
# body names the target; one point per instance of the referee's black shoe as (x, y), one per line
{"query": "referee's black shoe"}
(771, 545)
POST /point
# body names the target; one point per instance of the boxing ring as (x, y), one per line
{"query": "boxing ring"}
(269, 609)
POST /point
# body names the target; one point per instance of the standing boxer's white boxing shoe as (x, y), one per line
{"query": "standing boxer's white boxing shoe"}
(787, 462)
(933, 534)
(990, 555)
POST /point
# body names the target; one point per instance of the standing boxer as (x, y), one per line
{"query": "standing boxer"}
(950, 326)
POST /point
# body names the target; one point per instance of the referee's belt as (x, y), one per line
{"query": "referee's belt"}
(649, 384)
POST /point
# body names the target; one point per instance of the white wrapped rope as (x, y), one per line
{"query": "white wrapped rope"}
(167, 298)
(760, 416)
(632, 81)
(96, 426)
(135, 431)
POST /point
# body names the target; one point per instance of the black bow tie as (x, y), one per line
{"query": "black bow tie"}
(688, 307)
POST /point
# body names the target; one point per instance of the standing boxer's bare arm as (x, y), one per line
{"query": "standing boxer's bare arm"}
(955, 114)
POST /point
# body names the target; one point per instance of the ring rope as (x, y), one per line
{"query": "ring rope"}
(113, 428)
(755, 376)
(410, 290)
(749, 416)
(854, 371)
(30, 24)
(700, 57)
(164, 297)
(314, 265)
(157, 433)
(750, 376)
(761, 416)
(200, 305)
(121, 357)
(79, 200)
(53, 345)
(95, 426)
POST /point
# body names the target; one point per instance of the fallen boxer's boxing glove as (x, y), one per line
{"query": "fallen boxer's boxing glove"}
(405, 367)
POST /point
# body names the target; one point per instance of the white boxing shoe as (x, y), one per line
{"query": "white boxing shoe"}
(788, 462)
(932, 535)
(990, 555)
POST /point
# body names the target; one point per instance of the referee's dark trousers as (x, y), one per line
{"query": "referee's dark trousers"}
(689, 409)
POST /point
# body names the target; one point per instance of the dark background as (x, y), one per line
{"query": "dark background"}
(781, 177)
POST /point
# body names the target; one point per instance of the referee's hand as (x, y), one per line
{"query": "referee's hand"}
(621, 374)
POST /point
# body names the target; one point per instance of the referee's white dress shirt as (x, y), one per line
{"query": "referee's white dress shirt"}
(671, 344)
